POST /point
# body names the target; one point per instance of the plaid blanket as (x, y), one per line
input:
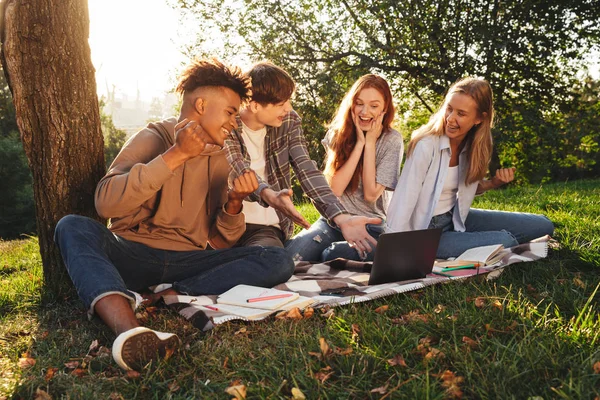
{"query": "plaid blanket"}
(346, 282)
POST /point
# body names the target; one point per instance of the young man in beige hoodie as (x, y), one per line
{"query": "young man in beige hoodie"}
(172, 213)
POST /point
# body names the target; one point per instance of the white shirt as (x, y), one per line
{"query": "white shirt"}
(449, 190)
(255, 144)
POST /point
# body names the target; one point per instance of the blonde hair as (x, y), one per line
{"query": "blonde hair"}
(343, 139)
(479, 139)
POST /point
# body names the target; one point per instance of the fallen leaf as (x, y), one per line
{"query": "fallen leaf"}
(241, 331)
(343, 352)
(452, 384)
(324, 374)
(151, 309)
(93, 346)
(479, 302)
(294, 313)
(434, 353)
(325, 350)
(439, 308)
(470, 342)
(72, 364)
(238, 391)
(131, 374)
(328, 314)
(579, 283)
(41, 395)
(380, 389)
(496, 304)
(78, 372)
(397, 360)
(26, 362)
(225, 362)
(308, 312)
(415, 316)
(44, 335)
(115, 396)
(50, 374)
(355, 331)
(297, 394)
(597, 367)
(173, 386)
(382, 309)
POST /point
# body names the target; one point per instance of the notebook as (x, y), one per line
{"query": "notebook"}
(482, 255)
(259, 313)
(257, 297)
(401, 256)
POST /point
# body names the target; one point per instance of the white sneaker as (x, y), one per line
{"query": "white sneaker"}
(135, 348)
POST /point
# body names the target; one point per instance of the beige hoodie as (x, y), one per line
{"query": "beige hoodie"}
(179, 210)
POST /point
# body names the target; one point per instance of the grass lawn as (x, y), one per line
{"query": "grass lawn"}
(532, 333)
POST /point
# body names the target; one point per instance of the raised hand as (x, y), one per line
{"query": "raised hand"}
(503, 176)
(282, 201)
(240, 188)
(360, 135)
(376, 128)
(354, 231)
(190, 138)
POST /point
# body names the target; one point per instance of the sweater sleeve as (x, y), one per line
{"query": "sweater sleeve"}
(227, 229)
(136, 174)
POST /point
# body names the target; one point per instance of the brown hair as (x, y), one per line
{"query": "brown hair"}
(270, 84)
(212, 72)
(343, 139)
(479, 139)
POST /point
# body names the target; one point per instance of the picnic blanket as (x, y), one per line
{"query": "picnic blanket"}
(349, 282)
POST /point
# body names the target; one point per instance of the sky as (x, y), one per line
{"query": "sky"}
(135, 46)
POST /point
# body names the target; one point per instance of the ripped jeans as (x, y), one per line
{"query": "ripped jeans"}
(323, 242)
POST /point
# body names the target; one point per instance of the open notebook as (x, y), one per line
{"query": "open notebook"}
(483, 255)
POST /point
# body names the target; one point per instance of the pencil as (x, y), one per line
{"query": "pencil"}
(212, 308)
(470, 266)
(442, 274)
(273, 297)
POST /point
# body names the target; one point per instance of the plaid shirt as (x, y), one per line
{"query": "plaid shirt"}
(285, 146)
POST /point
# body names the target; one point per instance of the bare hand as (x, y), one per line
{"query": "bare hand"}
(354, 231)
(282, 201)
(503, 176)
(241, 187)
(376, 128)
(360, 135)
(190, 138)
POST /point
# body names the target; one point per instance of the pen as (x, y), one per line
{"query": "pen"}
(470, 266)
(264, 298)
(212, 308)
(442, 274)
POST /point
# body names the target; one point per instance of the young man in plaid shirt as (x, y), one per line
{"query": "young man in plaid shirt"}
(269, 140)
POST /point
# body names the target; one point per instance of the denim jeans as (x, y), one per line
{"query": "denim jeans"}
(486, 227)
(323, 242)
(100, 263)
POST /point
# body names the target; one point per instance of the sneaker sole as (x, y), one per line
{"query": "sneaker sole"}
(140, 349)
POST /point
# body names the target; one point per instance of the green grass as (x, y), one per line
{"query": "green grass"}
(534, 331)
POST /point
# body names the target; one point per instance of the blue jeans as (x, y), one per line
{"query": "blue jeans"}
(486, 227)
(101, 263)
(323, 242)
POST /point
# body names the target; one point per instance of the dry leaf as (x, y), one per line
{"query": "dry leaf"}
(115, 396)
(382, 309)
(242, 330)
(238, 391)
(452, 384)
(470, 342)
(297, 394)
(325, 350)
(44, 335)
(343, 352)
(355, 331)
(597, 367)
(397, 360)
(225, 362)
(496, 304)
(579, 283)
(26, 362)
(93, 346)
(41, 395)
(479, 302)
(173, 386)
(50, 374)
(308, 312)
(439, 308)
(324, 374)
(78, 372)
(415, 316)
(434, 353)
(72, 364)
(380, 389)
(328, 314)
(131, 374)
(294, 313)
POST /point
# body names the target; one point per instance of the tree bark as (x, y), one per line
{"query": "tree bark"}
(47, 62)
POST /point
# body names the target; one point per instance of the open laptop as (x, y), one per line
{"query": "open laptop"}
(402, 256)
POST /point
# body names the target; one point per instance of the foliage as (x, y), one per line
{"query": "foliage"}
(8, 120)
(114, 138)
(529, 50)
(531, 333)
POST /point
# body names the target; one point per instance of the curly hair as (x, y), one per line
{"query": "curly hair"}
(212, 72)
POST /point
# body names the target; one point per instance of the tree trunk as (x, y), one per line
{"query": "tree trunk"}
(46, 59)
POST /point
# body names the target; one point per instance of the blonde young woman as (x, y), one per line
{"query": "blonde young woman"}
(447, 160)
(363, 162)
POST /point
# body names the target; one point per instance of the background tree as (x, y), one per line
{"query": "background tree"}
(529, 50)
(46, 59)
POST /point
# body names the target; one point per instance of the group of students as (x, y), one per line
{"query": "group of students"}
(203, 201)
